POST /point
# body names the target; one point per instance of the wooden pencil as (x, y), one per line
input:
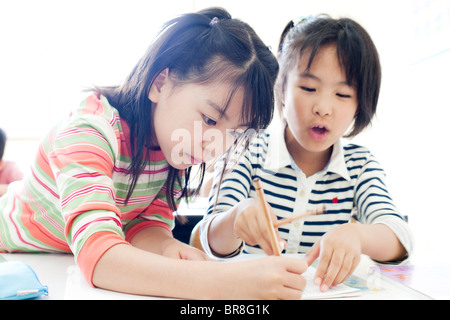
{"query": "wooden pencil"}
(299, 216)
(263, 202)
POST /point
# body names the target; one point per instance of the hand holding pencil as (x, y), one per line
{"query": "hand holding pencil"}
(250, 224)
(256, 224)
(271, 226)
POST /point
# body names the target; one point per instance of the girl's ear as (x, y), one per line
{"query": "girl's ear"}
(155, 90)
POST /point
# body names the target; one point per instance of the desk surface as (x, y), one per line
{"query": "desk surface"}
(64, 280)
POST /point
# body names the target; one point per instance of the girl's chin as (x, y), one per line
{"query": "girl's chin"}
(318, 146)
(183, 162)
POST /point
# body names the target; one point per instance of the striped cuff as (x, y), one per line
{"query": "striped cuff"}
(403, 232)
(93, 249)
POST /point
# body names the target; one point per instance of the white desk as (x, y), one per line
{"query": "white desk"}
(385, 288)
(64, 280)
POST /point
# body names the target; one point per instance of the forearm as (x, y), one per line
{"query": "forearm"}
(128, 269)
(379, 242)
(221, 235)
(125, 268)
(152, 239)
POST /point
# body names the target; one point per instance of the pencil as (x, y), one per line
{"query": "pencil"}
(299, 216)
(272, 234)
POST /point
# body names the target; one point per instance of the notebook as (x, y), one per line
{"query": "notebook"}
(312, 291)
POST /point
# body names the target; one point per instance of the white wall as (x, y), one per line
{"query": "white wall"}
(52, 49)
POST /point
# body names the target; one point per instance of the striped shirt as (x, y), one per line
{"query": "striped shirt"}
(73, 198)
(351, 185)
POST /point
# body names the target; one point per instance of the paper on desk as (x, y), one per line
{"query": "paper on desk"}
(2, 259)
(312, 291)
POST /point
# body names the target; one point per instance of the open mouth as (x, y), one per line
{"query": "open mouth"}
(318, 132)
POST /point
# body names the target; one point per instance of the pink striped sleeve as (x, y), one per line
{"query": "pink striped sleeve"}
(94, 248)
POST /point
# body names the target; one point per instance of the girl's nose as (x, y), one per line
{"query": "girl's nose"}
(212, 144)
(322, 108)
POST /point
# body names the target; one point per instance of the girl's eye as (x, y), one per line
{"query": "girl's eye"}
(209, 121)
(343, 95)
(308, 89)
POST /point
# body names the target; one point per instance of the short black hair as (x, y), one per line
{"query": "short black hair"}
(356, 53)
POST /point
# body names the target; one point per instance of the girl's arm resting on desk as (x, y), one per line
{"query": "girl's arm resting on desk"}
(125, 268)
(160, 241)
(380, 243)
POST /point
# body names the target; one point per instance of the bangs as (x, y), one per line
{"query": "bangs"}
(349, 54)
(349, 57)
(258, 96)
(349, 61)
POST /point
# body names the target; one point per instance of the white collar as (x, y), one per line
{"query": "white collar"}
(337, 161)
(277, 153)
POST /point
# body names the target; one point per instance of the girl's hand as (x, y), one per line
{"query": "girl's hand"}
(265, 278)
(339, 252)
(250, 225)
(179, 250)
(160, 241)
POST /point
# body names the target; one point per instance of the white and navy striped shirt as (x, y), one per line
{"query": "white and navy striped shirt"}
(352, 185)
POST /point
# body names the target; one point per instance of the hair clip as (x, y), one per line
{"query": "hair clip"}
(214, 21)
(302, 19)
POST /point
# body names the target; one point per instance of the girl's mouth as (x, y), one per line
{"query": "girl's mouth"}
(318, 132)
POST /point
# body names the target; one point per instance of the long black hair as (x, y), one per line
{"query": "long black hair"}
(197, 48)
(356, 52)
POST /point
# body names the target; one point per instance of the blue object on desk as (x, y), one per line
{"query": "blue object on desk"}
(19, 282)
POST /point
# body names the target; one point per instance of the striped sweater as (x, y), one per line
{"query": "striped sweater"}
(352, 185)
(73, 198)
